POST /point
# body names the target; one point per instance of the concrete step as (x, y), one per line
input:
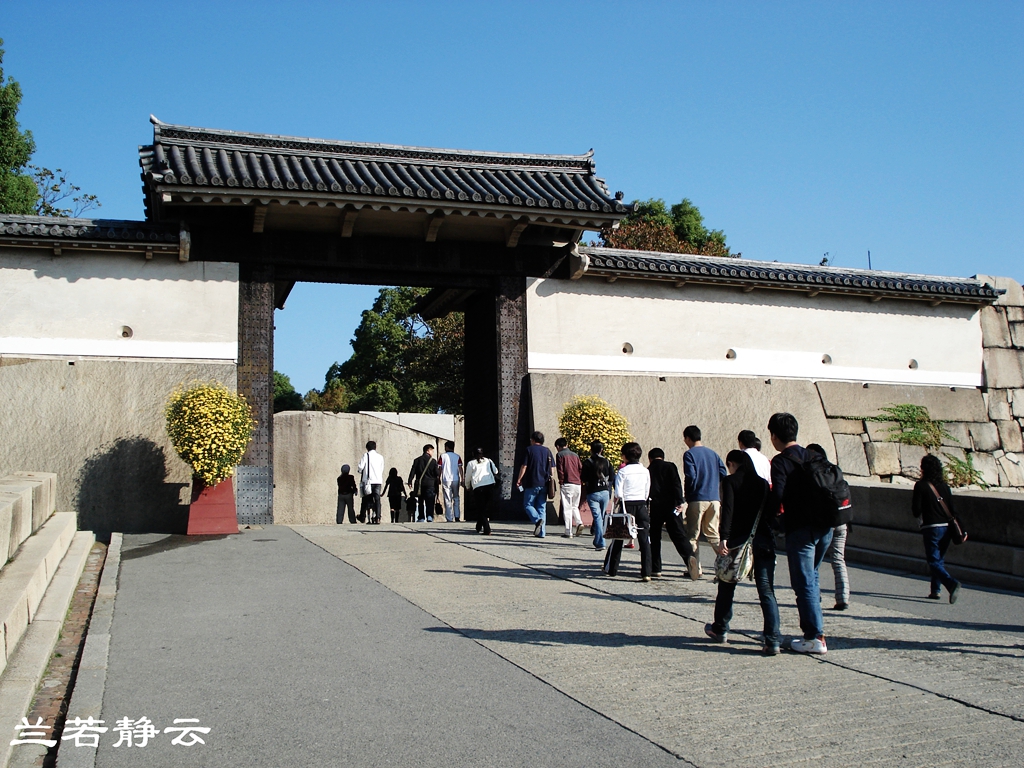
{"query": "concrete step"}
(26, 666)
(24, 579)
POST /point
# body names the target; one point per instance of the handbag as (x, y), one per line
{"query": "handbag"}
(620, 525)
(550, 487)
(737, 563)
(956, 529)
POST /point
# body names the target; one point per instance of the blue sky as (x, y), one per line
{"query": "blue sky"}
(798, 128)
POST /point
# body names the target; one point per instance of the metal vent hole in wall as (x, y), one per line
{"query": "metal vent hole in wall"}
(126, 332)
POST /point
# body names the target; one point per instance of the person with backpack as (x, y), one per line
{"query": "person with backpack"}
(744, 505)
(667, 506)
(808, 522)
(933, 503)
(838, 550)
(596, 476)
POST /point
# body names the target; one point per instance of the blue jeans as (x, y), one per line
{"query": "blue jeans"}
(806, 549)
(764, 579)
(535, 503)
(936, 542)
(598, 502)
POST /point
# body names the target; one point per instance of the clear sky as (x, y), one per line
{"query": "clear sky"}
(798, 128)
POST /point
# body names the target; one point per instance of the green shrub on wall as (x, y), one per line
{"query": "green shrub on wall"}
(587, 418)
(962, 472)
(913, 425)
(210, 428)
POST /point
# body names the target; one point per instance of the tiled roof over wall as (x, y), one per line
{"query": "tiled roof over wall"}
(101, 235)
(613, 263)
(198, 162)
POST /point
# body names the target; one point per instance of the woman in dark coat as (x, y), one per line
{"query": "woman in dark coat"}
(743, 495)
(935, 525)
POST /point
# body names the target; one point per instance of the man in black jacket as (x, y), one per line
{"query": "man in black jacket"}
(423, 479)
(667, 506)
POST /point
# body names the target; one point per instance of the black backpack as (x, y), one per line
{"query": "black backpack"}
(825, 492)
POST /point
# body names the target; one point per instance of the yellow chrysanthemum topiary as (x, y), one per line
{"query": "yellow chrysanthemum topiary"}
(587, 418)
(210, 427)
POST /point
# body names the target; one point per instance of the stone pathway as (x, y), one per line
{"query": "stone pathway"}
(895, 689)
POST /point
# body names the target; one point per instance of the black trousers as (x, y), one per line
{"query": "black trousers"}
(425, 501)
(637, 509)
(370, 503)
(667, 518)
(483, 502)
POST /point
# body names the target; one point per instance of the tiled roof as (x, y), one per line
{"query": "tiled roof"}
(91, 234)
(226, 165)
(613, 263)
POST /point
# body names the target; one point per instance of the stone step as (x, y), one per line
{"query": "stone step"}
(27, 665)
(24, 579)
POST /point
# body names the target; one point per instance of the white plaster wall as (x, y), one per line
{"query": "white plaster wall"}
(582, 325)
(78, 305)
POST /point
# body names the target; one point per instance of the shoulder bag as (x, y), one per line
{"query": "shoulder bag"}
(737, 563)
(956, 529)
(620, 524)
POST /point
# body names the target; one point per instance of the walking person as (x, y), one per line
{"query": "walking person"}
(933, 503)
(570, 486)
(750, 443)
(371, 473)
(482, 481)
(838, 553)
(633, 488)
(423, 480)
(453, 475)
(703, 471)
(744, 496)
(596, 477)
(536, 470)
(346, 495)
(394, 489)
(807, 538)
(667, 507)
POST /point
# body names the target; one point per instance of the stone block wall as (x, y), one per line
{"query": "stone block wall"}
(988, 423)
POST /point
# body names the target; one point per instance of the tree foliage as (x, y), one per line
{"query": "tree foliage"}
(587, 418)
(28, 189)
(285, 396)
(401, 362)
(653, 226)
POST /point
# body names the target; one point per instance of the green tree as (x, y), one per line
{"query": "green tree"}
(653, 226)
(285, 396)
(18, 192)
(401, 362)
(334, 397)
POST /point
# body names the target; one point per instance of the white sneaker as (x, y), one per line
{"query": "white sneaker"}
(814, 645)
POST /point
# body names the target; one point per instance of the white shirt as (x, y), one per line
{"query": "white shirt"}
(762, 466)
(480, 473)
(371, 468)
(450, 462)
(633, 483)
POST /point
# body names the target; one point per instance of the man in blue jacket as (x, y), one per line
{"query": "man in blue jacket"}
(703, 472)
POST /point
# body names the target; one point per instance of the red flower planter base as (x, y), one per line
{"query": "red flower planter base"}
(212, 511)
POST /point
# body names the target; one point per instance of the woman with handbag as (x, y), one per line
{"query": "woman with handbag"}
(745, 523)
(933, 503)
(632, 488)
(482, 478)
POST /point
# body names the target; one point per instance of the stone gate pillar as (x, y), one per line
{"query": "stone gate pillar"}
(255, 477)
(510, 311)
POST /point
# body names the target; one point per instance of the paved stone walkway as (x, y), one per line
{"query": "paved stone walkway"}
(895, 689)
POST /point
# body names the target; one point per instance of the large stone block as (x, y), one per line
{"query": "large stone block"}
(845, 399)
(883, 458)
(957, 453)
(995, 331)
(846, 426)
(1014, 296)
(1010, 436)
(910, 460)
(998, 405)
(1012, 470)
(21, 516)
(850, 455)
(1004, 369)
(1017, 334)
(1015, 314)
(1017, 400)
(958, 434)
(878, 431)
(987, 467)
(984, 436)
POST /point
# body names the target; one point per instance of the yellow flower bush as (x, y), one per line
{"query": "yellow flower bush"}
(587, 418)
(210, 427)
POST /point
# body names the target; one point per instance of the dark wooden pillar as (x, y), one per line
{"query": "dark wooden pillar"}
(255, 477)
(510, 307)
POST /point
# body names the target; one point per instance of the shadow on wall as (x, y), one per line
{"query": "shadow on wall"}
(122, 488)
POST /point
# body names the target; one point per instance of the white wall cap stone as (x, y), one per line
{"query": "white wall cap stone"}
(995, 332)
